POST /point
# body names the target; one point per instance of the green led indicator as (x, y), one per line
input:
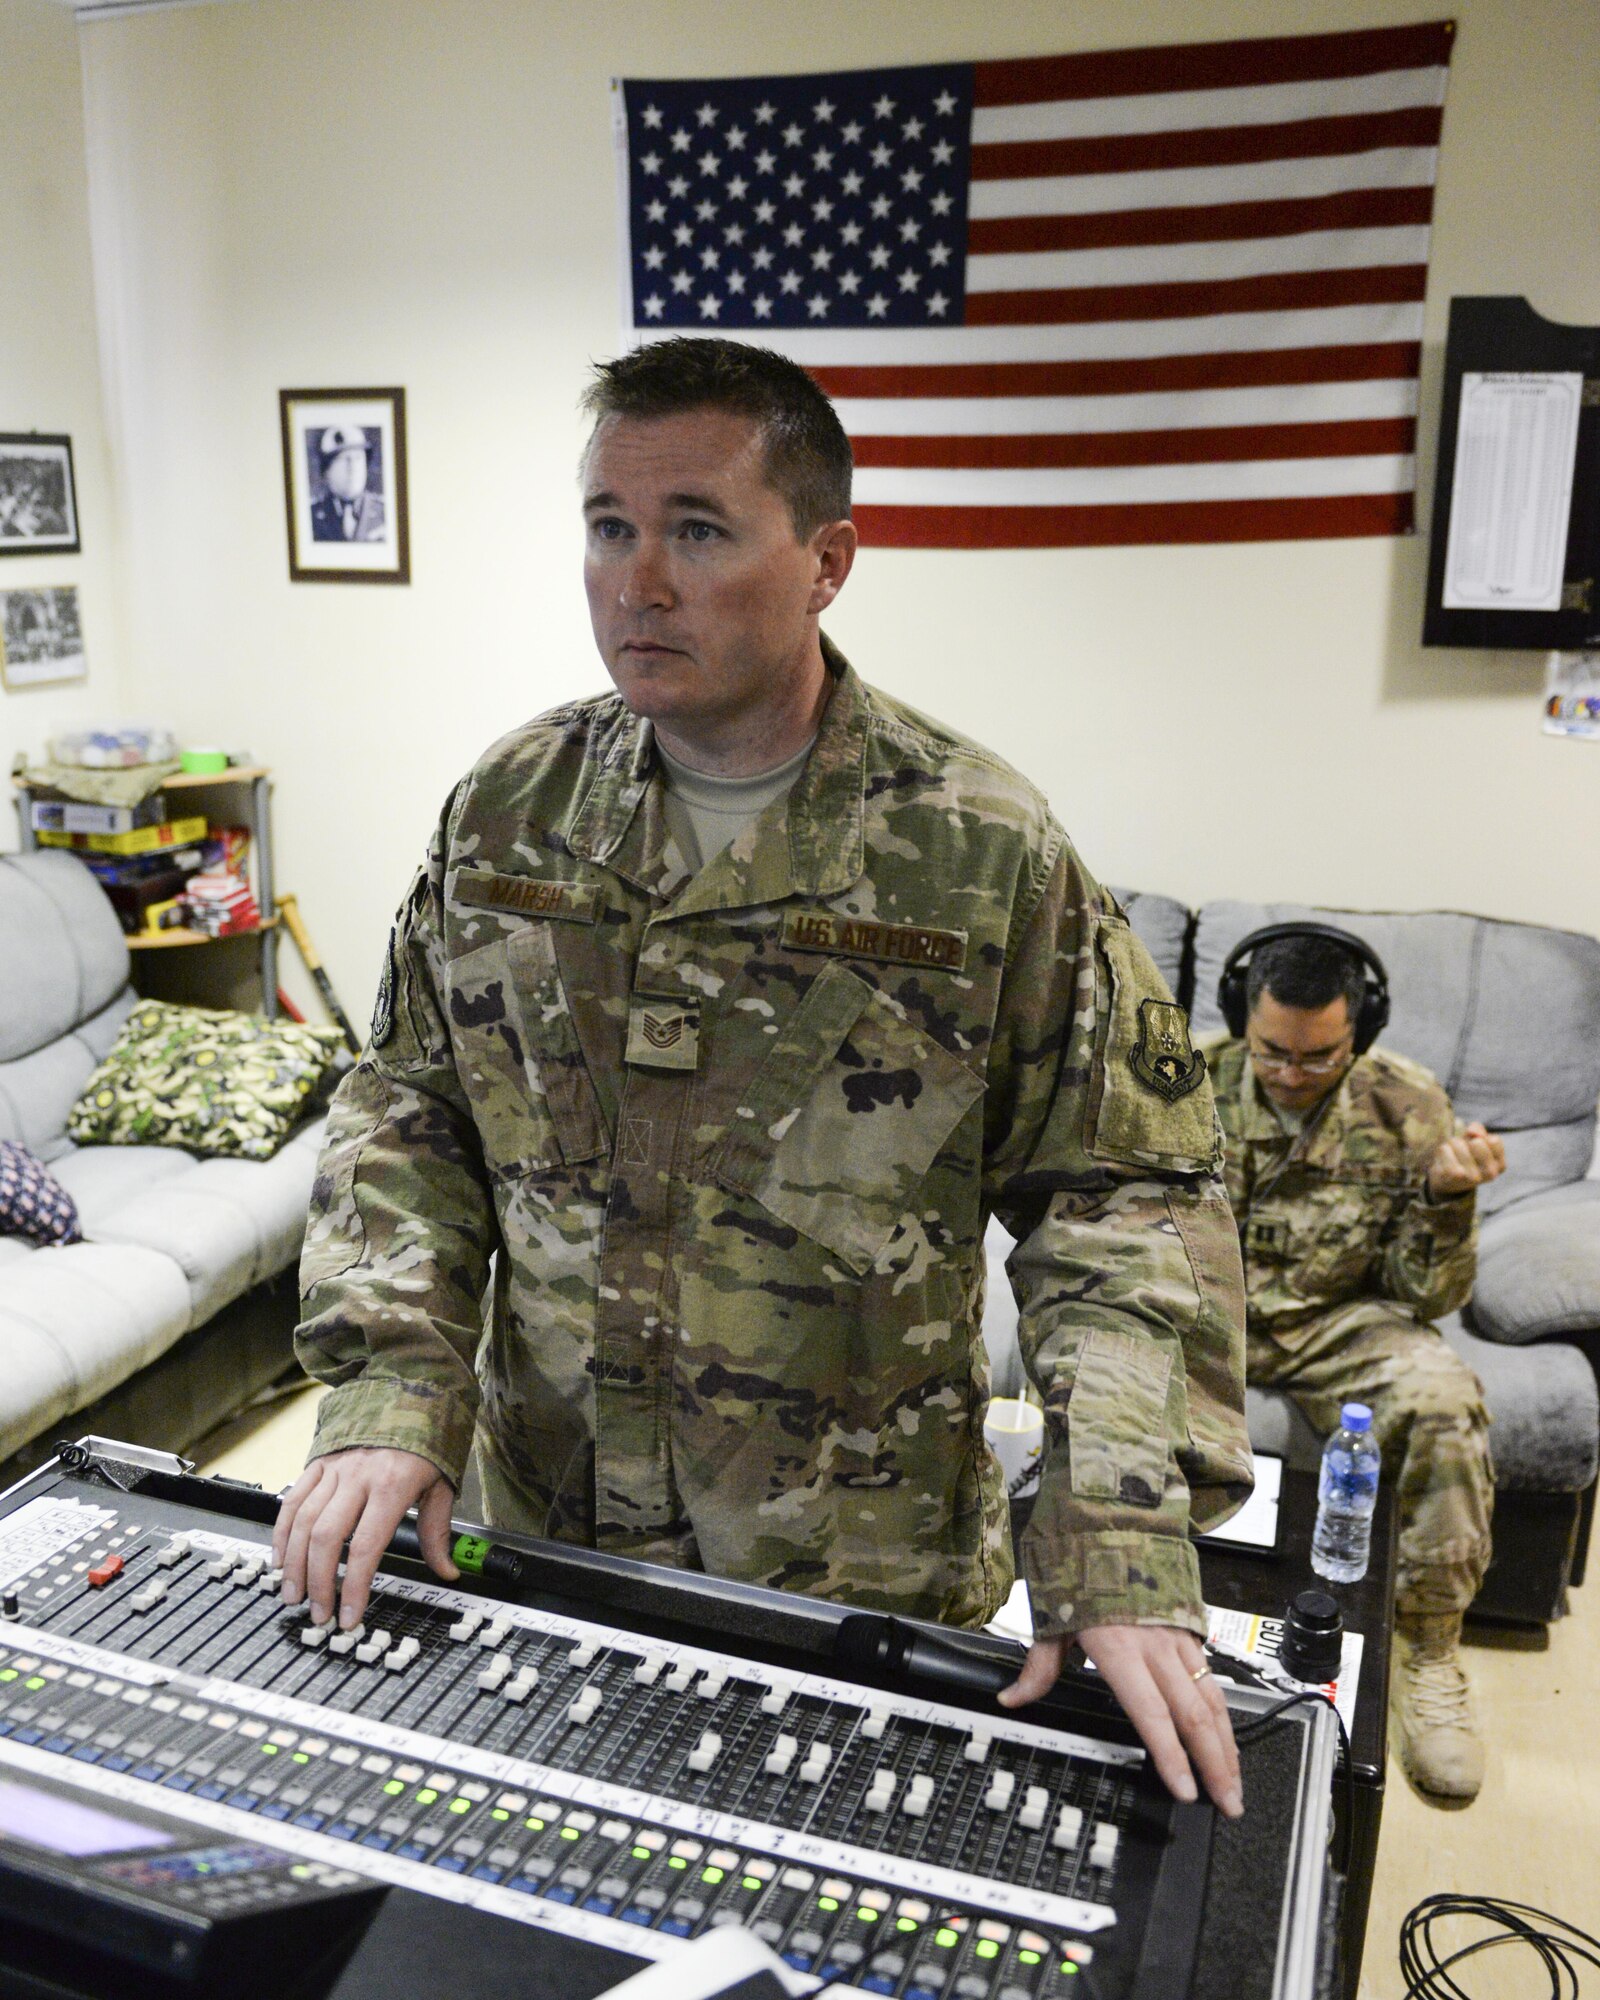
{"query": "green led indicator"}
(469, 1552)
(427, 1796)
(904, 1924)
(710, 1874)
(33, 1683)
(750, 1882)
(1068, 1967)
(641, 1854)
(499, 1813)
(202, 1867)
(8, 1673)
(677, 1861)
(300, 1756)
(534, 1825)
(460, 1805)
(569, 1833)
(1029, 1957)
(987, 1948)
(947, 1937)
(393, 1789)
(827, 1902)
(269, 1749)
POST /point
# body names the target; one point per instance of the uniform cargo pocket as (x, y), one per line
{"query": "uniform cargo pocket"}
(844, 1118)
(336, 1237)
(1117, 1419)
(518, 1057)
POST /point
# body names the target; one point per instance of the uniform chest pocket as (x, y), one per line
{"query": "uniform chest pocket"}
(844, 1118)
(1340, 1233)
(518, 1055)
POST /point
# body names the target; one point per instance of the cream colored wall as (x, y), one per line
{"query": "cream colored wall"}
(352, 192)
(49, 368)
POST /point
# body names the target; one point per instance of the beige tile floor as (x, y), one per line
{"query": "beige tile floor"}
(1533, 1835)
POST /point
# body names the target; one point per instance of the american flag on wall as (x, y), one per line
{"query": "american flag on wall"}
(1144, 295)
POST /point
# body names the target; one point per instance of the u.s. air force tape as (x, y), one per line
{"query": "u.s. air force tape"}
(524, 895)
(859, 937)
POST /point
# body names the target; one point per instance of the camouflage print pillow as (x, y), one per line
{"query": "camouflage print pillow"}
(210, 1081)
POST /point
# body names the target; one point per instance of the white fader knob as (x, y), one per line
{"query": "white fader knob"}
(706, 1752)
(1001, 1786)
(781, 1756)
(919, 1796)
(1035, 1805)
(1069, 1827)
(467, 1624)
(584, 1707)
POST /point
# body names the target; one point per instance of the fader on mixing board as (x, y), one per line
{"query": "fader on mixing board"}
(631, 1780)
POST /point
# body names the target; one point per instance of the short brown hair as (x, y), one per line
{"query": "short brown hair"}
(808, 454)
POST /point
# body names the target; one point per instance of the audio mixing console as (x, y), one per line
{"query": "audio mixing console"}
(628, 1779)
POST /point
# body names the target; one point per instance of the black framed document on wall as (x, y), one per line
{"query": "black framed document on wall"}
(1515, 556)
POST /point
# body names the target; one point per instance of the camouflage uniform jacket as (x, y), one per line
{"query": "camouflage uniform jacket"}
(1340, 1211)
(730, 1143)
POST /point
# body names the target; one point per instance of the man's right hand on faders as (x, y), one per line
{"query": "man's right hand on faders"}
(359, 1496)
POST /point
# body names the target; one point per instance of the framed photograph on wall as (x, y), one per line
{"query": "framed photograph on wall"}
(344, 481)
(41, 637)
(38, 499)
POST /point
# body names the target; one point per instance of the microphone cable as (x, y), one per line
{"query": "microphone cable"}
(1561, 1947)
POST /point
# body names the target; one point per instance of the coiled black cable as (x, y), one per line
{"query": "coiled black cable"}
(1559, 1945)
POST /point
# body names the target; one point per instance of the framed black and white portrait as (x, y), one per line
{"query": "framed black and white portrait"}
(38, 500)
(41, 637)
(344, 478)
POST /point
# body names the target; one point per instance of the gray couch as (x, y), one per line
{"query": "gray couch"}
(1507, 1016)
(180, 1303)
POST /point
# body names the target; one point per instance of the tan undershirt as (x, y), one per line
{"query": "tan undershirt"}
(705, 813)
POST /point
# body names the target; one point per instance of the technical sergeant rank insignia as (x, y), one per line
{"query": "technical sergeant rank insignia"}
(663, 1033)
(1163, 1058)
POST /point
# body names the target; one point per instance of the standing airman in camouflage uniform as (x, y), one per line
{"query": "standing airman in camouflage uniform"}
(1353, 1187)
(730, 1125)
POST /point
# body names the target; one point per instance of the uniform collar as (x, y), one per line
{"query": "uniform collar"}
(621, 822)
(1321, 1139)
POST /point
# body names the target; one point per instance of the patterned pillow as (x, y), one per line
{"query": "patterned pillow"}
(33, 1203)
(208, 1080)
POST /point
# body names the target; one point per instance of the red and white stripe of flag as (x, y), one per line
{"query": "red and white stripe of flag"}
(1194, 304)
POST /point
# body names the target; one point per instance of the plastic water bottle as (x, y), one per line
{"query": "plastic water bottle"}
(1347, 1493)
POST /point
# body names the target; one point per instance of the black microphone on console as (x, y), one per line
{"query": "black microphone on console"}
(869, 1643)
(471, 1553)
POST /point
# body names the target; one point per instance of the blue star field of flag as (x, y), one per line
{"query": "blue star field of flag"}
(800, 201)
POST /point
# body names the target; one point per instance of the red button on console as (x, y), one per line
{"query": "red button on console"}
(104, 1572)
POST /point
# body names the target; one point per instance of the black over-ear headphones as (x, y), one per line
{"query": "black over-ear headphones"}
(1372, 1016)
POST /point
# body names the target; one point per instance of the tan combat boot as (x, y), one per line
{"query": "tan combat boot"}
(1432, 1708)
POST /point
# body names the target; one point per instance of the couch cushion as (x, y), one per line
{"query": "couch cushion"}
(74, 1323)
(1539, 1267)
(39, 1089)
(1507, 1016)
(62, 952)
(101, 1179)
(1163, 925)
(1544, 1409)
(224, 1223)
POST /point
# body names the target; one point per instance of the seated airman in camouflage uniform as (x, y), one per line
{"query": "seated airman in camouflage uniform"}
(724, 1011)
(1353, 1188)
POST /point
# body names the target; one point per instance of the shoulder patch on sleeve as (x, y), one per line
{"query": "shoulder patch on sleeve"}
(1163, 1058)
(1151, 1104)
(383, 1010)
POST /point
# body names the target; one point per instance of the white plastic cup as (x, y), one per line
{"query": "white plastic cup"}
(1014, 1432)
